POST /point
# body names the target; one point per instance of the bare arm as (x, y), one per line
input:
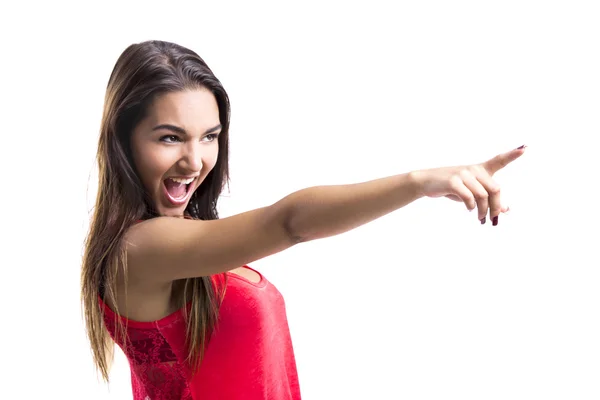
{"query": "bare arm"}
(165, 249)
(324, 211)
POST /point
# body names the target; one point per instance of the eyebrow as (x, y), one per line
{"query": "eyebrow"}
(181, 131)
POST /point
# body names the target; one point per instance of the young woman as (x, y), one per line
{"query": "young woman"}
(167, 280)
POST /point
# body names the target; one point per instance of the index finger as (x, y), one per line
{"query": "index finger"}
(502, 160)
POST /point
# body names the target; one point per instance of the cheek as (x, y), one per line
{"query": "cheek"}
(210, 160)
(152, 165)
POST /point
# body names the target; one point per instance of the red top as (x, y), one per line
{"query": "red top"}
(249, 356)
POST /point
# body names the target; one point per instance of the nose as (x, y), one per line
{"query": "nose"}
(191, 159)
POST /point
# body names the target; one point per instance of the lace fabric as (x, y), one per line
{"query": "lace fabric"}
(156, 372)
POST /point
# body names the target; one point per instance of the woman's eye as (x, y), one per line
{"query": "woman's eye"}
(169, 139)
(211, 137)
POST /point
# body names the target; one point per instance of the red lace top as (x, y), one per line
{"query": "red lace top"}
(249, 356)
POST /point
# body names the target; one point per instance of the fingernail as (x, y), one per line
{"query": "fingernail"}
(521, 147)
(495, 221)
(482, 220)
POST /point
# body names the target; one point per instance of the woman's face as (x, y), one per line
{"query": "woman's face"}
(175, 147)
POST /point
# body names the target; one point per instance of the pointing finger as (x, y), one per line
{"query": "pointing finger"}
(502, 160)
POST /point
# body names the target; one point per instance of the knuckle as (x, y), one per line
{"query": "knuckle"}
(477, 170)
(455, 181)
(481, 195)
(465, 173)
(495, 190)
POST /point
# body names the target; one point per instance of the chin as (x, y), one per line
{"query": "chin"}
(169, 210)
(172, 212)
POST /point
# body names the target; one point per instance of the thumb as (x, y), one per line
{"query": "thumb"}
(502, 160)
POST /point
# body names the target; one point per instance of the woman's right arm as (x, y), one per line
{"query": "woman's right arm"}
(164, 249)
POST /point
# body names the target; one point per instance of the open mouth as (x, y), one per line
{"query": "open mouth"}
(177, 190)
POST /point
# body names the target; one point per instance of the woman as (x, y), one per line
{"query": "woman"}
(167, 280)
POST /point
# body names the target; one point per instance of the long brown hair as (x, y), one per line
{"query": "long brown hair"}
(142, 72)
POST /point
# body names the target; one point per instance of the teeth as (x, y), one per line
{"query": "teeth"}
(185, 181)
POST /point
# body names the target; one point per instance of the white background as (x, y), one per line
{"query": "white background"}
(422, 304)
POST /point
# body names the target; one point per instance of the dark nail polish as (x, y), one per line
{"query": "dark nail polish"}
(521, 147)
(482, 220)
(495, 221)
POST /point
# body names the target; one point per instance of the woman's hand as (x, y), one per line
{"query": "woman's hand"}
(471, 184)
